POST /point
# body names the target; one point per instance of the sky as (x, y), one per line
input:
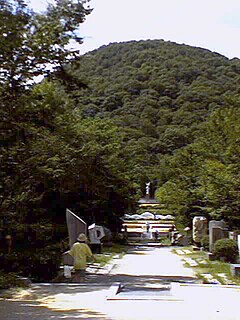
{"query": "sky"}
(210, 24)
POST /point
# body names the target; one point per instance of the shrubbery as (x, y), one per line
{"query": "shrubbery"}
(37, 264)
(226, 249)
(8, 280)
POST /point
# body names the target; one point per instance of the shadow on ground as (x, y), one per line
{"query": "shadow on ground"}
(14, 310)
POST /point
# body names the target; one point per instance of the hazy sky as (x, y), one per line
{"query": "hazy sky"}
(210, 24)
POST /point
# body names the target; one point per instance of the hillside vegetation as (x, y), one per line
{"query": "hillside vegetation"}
(177, 108)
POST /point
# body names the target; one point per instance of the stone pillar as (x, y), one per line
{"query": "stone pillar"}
(75, 226)
(199, 228)
(147, 190)
(217, 231)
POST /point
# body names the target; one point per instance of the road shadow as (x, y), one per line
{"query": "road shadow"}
(14, 310)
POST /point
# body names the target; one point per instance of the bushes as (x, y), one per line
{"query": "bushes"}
(38, 264)
(9, 280)
(226, 249)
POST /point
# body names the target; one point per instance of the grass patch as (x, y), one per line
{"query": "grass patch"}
(102, 259)
(165, 241)
(205, 266)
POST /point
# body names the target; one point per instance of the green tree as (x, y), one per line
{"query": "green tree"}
(32, 43)
(203, 178)
(219, 178)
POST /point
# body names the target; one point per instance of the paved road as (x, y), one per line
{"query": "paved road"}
(148, 293)
(150, 261)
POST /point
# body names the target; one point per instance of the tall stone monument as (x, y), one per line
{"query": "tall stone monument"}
(148, 190)
(217, 230)
(199, 229)
(75, 226)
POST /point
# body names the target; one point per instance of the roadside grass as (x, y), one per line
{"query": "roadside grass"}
(116, 248)
(108, 253)
(221, 271)
(11, 279)
(7, 280)
(165, 241)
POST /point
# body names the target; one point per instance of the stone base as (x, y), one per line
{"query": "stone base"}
(235, 270)
(96, 247)
(211, 256)
(195, 248)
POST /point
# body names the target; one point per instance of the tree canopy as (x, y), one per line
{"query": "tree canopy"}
(33, 43)
(52, 157)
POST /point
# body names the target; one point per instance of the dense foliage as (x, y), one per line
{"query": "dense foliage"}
(178, 107)
(51, 157)
(204, 176)
(226, 249)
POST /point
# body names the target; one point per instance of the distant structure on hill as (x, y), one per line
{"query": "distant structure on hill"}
(144, 224)
(147, 200)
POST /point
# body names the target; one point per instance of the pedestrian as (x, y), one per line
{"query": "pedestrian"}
(156, 234)
(80, 252)
(147, 226)
(171, 231)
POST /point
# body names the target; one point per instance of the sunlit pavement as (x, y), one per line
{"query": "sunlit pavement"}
(151, 261)
(138, 271)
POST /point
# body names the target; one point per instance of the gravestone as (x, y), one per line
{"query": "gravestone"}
(217, 230)
(96, 233)
(199, 228)
(235, 270)
(75, 226)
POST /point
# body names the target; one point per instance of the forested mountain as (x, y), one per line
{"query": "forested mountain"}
(161, 95)
(158, 91)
